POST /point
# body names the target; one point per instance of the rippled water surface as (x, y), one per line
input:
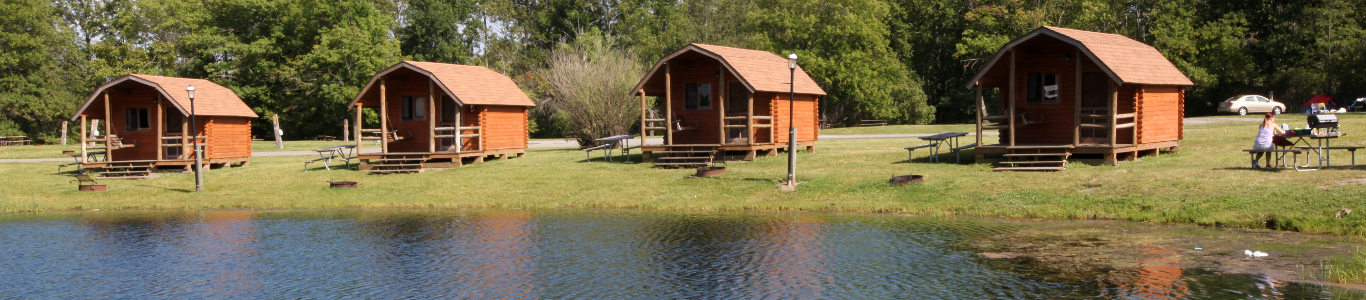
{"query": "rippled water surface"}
(554, 254)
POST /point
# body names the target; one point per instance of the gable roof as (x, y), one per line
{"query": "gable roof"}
(759, 71)
(210, 99)
(468, 85)
(1125, 60)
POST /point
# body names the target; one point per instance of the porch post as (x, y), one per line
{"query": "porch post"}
(459, 141)
(431, 116)
(749, 120)
(359, 131)
(981, 109)
(108, 152)
(184, 137)
(383, 120)
(1076, 99)
(84, 152)
(1012, 97)
(643, 132)
(720, 101)
(1114, 97)
(668, 105)
(161, 117)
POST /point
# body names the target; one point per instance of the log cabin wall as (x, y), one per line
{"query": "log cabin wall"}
(704, 120)
(1050, 56)
(416, 132)
(473, 115)
(805, 118)
(1160, 114)
(763, 106)
(132, 96)
(227, 137)
(504, 127)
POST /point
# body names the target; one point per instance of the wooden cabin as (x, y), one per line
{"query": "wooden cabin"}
(145, 124)
(718, 99)
(436, 115)
(1066, 93)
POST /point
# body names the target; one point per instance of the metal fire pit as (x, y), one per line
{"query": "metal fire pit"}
(344, 184)
(905, 179)
(94, 188)
(710, 171)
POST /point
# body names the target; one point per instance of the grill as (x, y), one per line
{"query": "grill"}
(1323, 121)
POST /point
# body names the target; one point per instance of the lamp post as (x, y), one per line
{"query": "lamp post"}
(791, 127)
(198, 154)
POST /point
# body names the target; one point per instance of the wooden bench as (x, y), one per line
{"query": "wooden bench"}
(872, 123)
(955, 150)
(587, 151)
(1279, 155)
(910, 151)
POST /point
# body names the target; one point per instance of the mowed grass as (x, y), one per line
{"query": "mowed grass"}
(900, 129)
(1207, 183)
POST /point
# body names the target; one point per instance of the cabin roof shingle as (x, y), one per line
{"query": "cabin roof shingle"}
(1125, 60)
(210, 99)
(469, 85)
(760, 71)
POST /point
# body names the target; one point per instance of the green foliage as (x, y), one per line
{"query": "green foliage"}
(843, 45)
(440, 30)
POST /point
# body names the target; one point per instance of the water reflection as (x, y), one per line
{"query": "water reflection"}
(559, 254)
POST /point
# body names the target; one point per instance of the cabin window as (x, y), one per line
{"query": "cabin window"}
(1042, 88)
(136, 119)
(697, 96)
(414, 108)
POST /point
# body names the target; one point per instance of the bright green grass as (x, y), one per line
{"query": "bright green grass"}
(1207, 183)
(269, 146)
(1351, 268)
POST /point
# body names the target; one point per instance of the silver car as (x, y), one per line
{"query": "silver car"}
(1251, 104)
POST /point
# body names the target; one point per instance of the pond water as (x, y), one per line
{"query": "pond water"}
(581, 254)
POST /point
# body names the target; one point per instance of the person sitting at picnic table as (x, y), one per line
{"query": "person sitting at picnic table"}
(1265, 134)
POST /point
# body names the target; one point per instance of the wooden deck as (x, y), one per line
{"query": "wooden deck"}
(1110, 155)
(441, 160)
(752, 150)
(169, 162)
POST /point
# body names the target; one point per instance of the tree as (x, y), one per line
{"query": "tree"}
(36, 90)
(843, 45)
(597, 105)
(440, 30)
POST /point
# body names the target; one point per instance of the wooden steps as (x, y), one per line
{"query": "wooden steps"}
(686, 156)
(126, 170)
(1035, 159)
(396, 163)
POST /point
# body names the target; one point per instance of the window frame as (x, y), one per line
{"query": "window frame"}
(412, 108)
(1035, 94)
(693, 95)
(136, 119)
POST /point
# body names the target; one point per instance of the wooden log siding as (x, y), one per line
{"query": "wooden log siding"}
(706, 122)
(227, 137)
(1159, 116)
(504, 127)
(805, 117)
(136, 97)
(1058, 126)
(417, 132)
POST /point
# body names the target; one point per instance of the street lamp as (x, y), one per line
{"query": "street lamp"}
(198, 159)
(791, 127)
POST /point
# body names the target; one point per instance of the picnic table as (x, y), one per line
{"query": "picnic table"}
(1320, 146)
(937, 141)
(612, 142)
(326, 155)
(17, 140)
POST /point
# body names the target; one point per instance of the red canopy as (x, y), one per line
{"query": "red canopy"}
(1320, 99)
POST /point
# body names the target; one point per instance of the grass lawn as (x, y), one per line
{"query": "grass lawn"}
(901, 129)
(1207, 183)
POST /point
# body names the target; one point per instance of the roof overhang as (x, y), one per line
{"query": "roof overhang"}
(639, 88)
(130, 77)
(403, 65)
(1042, 31)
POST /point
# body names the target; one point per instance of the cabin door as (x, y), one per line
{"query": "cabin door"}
(737, 105)
(448, 111)
(172, 128)
(1095, 89)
